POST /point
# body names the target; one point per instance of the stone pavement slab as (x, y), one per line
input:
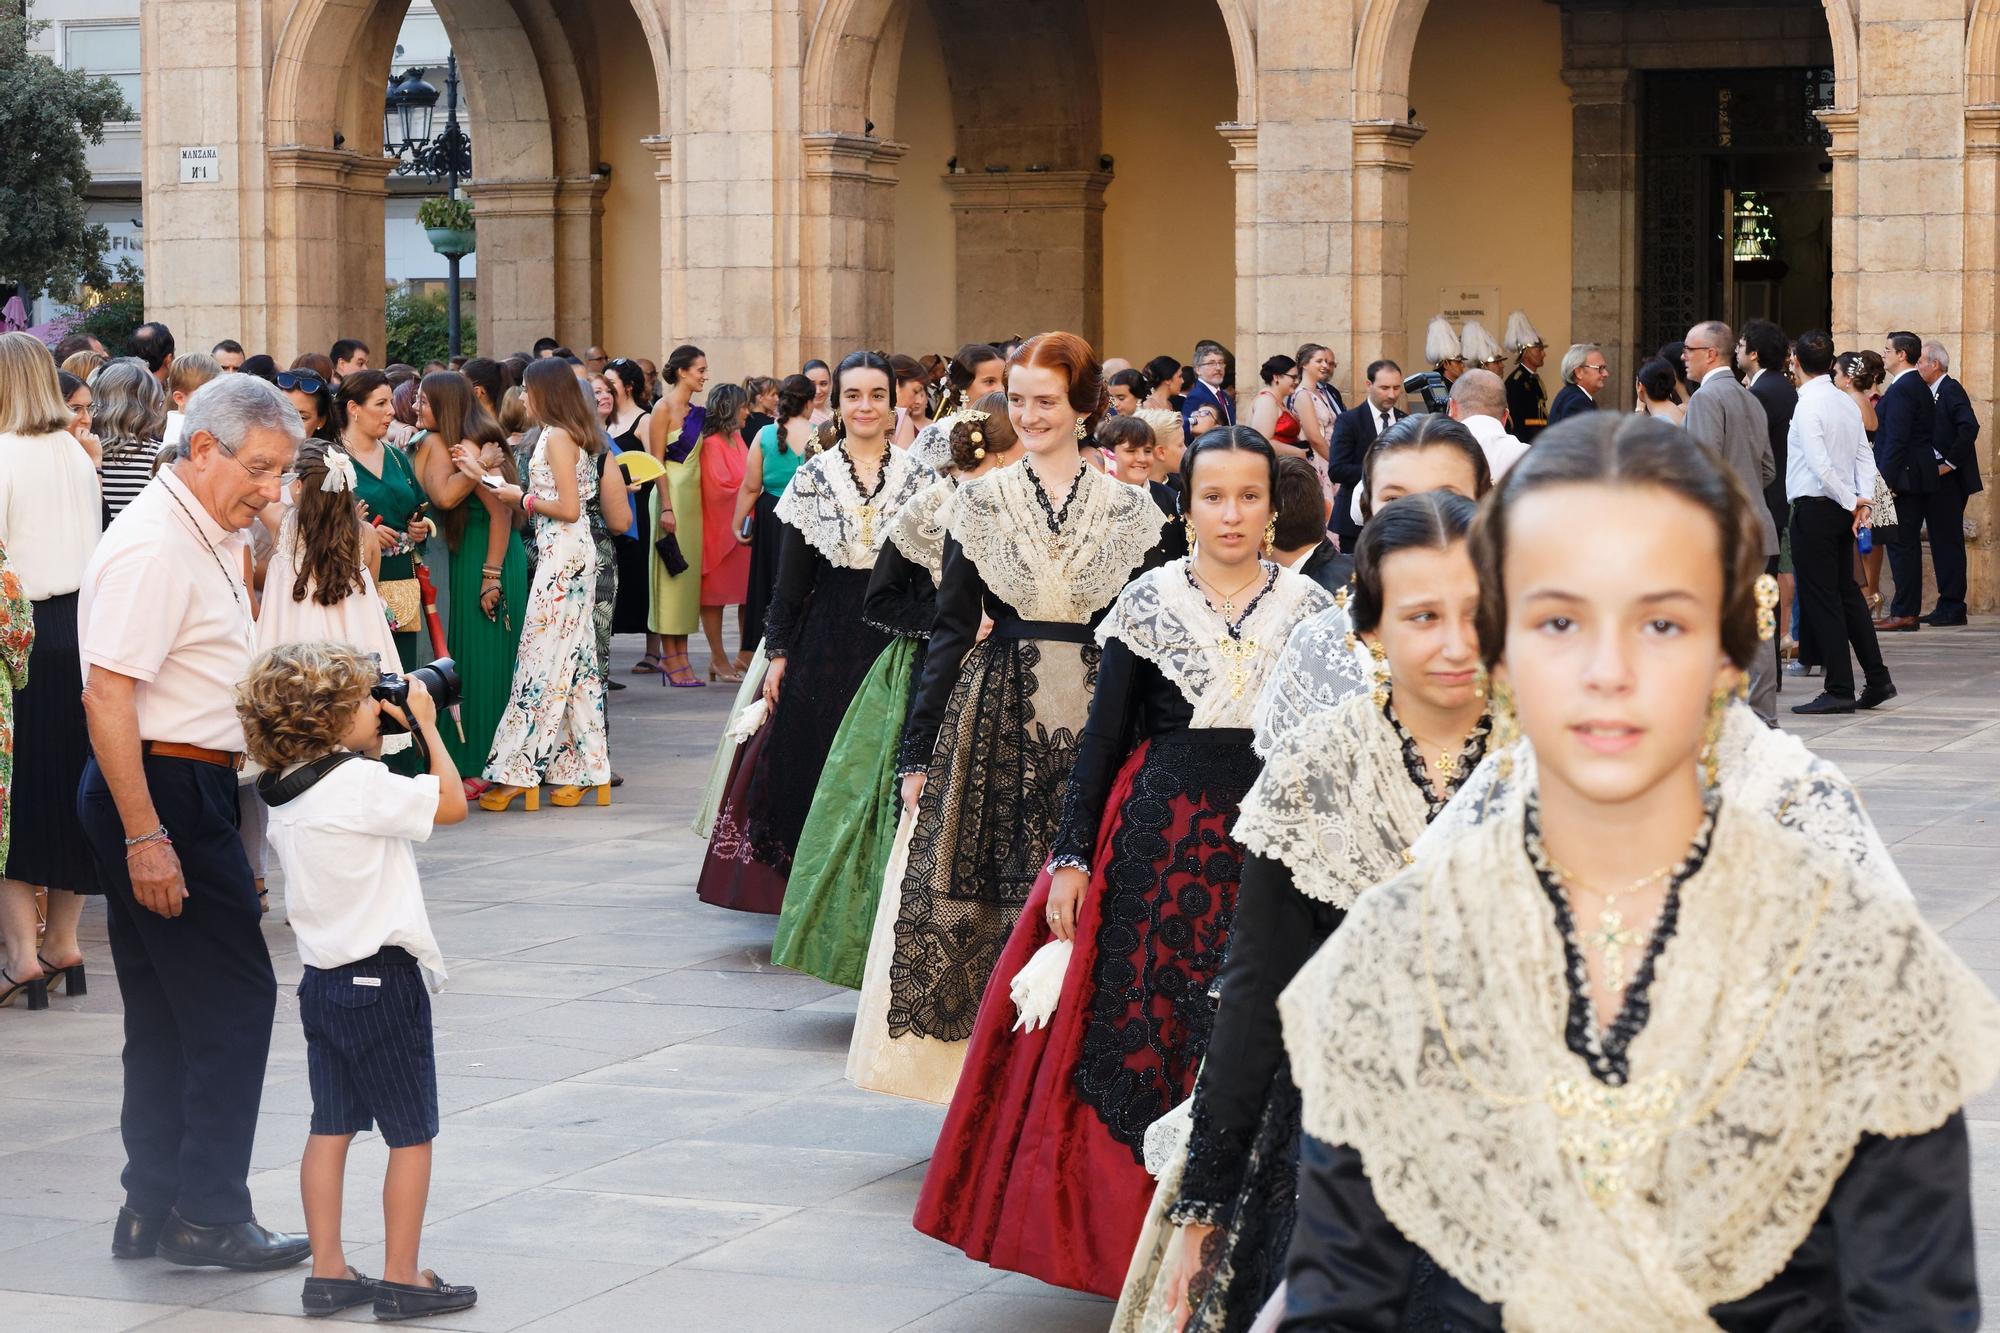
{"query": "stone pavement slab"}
(645, 1123)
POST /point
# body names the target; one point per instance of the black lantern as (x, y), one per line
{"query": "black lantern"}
(411, 103)
(409, 106)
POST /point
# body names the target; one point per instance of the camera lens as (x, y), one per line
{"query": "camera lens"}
(440, 678)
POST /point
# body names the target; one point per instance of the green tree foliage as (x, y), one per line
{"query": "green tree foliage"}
(47, 114)
(417, 329)
(120, 307)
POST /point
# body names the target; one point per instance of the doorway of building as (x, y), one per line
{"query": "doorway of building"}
(1736, 200)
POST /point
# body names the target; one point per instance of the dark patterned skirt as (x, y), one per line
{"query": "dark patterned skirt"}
(1039, 1169)
(1244, 1261)
(730, 876)
(51, 746)
(990, 806)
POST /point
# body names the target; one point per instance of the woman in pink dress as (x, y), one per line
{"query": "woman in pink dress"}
(725, 556)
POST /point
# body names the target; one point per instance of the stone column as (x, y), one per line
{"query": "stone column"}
(848, 245)
(1843, 127)
(1030, 252)
(673, 314)
(1977, 360)
(205, 241)
(579, 256)
(1242, 141)
(326, 262)
(1604, 221)
(518, 263)
(1381, 235)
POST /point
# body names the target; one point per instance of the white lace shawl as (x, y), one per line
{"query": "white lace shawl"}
(1316, 670)
(1335, 803)
(1067, 576)
(920, 526)
(1757, 768)
(1164, 619)
(1800, 1004)
(823, 504)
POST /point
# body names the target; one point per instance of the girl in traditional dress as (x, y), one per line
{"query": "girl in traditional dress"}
(1041, 548)
(1705, 1072)
(553, 728)
(1341, 800)
(837, 878)
(837, 512)
(775, 454)
(488, 564)
(674, 437)
(1039, 1168)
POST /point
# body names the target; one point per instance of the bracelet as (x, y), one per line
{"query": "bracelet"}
(134, 845)
(528, 504)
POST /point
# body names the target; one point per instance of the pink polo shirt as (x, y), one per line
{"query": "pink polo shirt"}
(163, 602)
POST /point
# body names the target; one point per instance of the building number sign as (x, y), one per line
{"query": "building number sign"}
(201, 166)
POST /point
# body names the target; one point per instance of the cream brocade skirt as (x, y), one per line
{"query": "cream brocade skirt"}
(919, 1067)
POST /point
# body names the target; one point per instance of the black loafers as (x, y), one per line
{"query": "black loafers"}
(330, 1295)
(243, 1246)
(1825, 703)
(401, 1300)
(1874, 696)
(136, 1236)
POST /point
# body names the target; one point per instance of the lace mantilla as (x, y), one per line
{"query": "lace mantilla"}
(1461, 767)
(1217, 667)
(1315, 671)
(1068, 575)
(824, 504)
(1757, 769)
(919, 527)
(1800, 1005)
(1336, 803)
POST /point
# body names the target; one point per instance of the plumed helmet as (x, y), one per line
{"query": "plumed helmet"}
(1476, 345)
(1440, 343)
(1520, 333)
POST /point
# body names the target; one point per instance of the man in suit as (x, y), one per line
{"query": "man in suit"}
(1585, 371)
(1353, 431)
(1299, 538)
(1761, 352)
(1905, 454)
(1527, 399)
(1211, 368)
(1727, 417)
(1954, 440)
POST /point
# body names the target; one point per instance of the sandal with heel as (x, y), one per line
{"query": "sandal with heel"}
(73, 978)
(38, 990)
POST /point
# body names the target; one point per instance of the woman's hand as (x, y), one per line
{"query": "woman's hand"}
(419, 531)
(985, 628)
(1187, 1248)
(468, 461)
(1066, 888)
(508, 495)
(489, 598)
(913, 789)
(668, 523)
(774, 679)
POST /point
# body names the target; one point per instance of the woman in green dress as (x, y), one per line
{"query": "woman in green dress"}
(392, 498)
(488, 564)
(674, 437)
(17, 636)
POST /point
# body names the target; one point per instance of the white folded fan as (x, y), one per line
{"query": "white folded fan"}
(1037, 987)
(744, 725)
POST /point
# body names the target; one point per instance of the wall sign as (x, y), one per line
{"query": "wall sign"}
(1458, 304)
(201, 166)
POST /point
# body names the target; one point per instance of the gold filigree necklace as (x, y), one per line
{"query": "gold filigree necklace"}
(1611, 938)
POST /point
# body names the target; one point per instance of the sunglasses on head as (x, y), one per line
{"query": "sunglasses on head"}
(302, 380)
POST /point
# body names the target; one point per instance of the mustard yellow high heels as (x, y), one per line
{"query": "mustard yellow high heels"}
(499, 798)
(573, 795)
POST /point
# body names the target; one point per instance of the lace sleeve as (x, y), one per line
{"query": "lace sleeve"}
(1317, 669)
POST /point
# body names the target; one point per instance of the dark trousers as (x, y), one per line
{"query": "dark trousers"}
(1834, 612)
(1944, 515)
(1906, 555)
(199, 998)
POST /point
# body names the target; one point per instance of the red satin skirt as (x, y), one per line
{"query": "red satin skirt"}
(1038, 1169)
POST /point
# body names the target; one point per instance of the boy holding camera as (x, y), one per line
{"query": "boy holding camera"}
(343, 825)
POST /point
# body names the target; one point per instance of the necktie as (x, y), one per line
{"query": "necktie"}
(1385, 421)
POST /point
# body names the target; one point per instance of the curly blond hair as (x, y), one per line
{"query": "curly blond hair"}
(299, 699)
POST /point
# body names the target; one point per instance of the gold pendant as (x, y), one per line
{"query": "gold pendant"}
(1612, 937)
(1606, 1128)
(1447, 765)
(1239, 654)
(868, 525)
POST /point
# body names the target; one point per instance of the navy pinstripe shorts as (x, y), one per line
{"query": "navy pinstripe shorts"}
(369, 1056)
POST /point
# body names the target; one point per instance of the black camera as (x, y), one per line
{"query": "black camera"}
(440, 679)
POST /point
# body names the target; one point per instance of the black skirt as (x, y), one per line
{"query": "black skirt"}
(629, 608)
(767, 534)
(51, 746)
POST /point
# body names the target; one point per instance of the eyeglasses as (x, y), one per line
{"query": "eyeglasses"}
(261, 475)
(302, 380)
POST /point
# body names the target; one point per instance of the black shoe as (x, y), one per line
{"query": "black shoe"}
(136, 1236)
(1944, 619)
(1874, 696)
(243, 1246)
(614, 684)
(331, 1295)
(1825, 703)
(401, 1300)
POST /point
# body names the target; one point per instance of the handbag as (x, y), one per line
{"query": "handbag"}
(1882, 514)
(670, 555)
(405, 600)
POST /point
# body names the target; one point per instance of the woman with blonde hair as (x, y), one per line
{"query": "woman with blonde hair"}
(129, 415)
(49, 526)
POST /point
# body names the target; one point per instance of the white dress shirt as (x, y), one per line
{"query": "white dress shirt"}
(50, 511)
(1827, 453)
(1502, 450)
(351, 886)
(163, 602)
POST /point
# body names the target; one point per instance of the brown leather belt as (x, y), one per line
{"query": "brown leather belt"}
(175, 750)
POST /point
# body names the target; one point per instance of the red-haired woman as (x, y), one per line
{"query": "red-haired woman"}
(1040, 548)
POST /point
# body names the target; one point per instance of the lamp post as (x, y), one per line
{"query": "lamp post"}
(409, 107)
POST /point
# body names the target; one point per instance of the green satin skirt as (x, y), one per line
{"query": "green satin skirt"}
(836, 878)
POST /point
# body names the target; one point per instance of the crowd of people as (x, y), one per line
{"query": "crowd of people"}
(1125, 740)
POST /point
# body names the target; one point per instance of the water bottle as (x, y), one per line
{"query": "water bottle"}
(1864, 540)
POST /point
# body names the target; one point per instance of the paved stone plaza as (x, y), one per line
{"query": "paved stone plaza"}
(645, 1124)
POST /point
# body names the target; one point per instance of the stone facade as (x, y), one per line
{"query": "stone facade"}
(776, 190)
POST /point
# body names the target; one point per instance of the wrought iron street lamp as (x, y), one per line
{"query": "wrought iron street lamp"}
(408, 109)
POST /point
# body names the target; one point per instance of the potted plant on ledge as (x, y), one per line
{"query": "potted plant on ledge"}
(448, 223)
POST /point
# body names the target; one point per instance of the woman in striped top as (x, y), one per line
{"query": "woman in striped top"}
(130, 415)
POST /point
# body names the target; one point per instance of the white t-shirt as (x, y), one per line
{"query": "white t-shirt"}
(351, 884)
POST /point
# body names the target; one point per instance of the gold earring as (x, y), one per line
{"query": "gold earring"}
(1270, 536)
(1380, 694)
(1767, 607)
(1711, 735)
(1081, 433)
(1188, 523)
(1503, 728)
